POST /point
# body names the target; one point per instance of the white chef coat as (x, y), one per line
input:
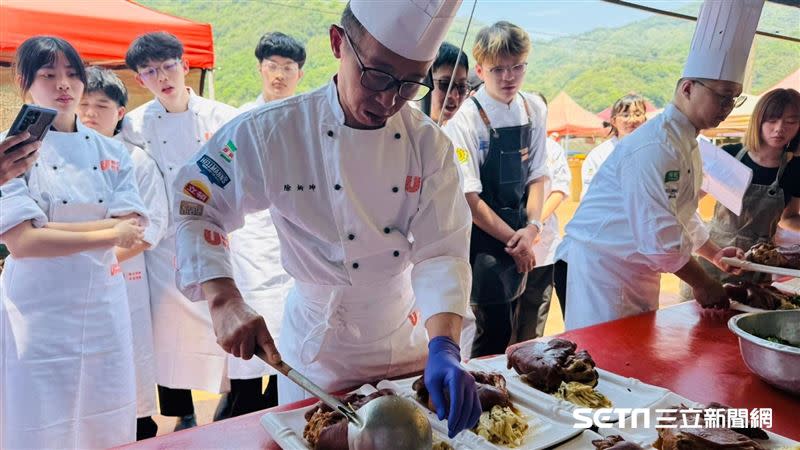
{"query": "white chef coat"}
(345, 203)
(638, 220)
(468, 132)
(596, 157)
(67, 363)
(154, 196)
(186, 351)
(559, 181)
(259, 275)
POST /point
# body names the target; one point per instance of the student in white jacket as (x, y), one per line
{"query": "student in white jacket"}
(102, 108)
(255, 249)
(172, 127)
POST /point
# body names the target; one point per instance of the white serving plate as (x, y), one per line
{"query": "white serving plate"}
(623, 392)
(582, 442)
(790, 287)
(753, 267)
(286, 427)
(547, 426)
(646, 436)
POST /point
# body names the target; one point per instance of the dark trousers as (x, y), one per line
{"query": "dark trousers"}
(175, 402)
(533, 305)
(492, 328)
(246, 396)
(560, 283)
(146, 428)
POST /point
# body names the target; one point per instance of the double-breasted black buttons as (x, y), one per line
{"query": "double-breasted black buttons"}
(337, 186)
(355, 265)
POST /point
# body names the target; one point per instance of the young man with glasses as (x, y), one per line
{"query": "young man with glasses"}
(255, 247)
(499, 136)
(363, 191)
(171, 128)
(639, 219)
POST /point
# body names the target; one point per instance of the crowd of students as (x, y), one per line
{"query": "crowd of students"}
(98, 217)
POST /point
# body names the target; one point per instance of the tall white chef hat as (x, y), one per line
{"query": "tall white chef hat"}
(722, 39)
(413, 29)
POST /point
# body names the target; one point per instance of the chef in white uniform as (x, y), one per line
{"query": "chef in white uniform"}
(102, 109)
(255, 249)
(172, 127)
(639, 219)
(364, 192)
(67, 356)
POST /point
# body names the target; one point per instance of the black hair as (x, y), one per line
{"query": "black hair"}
(351, 24)
(39, 51)
(107, 82)
(157, 46)
(279, 44)
(447, 55)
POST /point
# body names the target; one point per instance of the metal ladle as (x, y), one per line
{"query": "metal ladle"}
(388, 422)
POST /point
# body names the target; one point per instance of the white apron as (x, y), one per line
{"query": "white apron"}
(67, 331)
(187, 355)
(371, 325)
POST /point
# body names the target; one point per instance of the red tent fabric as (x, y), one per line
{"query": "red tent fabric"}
(100, 30)
(567, 118)
(606, 113)
(790, 82)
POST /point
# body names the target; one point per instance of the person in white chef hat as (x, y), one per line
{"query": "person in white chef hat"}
(364, 194)
(639, 218)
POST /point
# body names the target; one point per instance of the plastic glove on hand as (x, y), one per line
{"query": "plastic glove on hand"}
(444, 374)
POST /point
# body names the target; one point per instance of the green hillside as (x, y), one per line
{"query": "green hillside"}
(595, 68)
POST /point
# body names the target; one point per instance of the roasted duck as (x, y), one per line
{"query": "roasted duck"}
(545, 365)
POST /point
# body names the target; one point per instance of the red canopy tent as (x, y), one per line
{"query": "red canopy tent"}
(101, 31)
(567, 118)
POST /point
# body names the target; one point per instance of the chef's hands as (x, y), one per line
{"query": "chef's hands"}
(711, 294)
(238, 327)
(728, 252)
(128, 233)
(520, 247)
(17, 162)
(445, 373)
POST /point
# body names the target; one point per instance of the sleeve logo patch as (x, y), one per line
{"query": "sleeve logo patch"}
(191, 209)
(213, 171)
(228, 151)
(462, 155)
(672, 176)
(214, 238)
(197, 190)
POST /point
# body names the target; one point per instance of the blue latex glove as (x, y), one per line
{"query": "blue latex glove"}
(444, 373)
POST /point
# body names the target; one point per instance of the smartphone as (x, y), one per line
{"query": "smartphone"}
(34, 119)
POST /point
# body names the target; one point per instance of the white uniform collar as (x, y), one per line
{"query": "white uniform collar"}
(79, 129)
(488, 102)
(193, 100)
(338, 111)
(683, 125)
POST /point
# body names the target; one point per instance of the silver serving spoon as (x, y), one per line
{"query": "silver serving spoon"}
(388, 422)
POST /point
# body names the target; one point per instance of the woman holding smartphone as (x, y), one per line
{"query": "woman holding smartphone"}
(67, 362)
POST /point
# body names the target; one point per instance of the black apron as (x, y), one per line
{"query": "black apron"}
(504, 175)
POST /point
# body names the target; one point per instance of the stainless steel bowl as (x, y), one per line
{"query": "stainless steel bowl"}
(776, 364)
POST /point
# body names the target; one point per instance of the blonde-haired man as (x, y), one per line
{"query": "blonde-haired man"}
(500, 145)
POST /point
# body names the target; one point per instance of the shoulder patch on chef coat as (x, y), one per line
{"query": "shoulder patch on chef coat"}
(672, 175)
(197, 190)
(214, 238)
(213, 171)
(462, 155)
(228, 151)
(191, 209)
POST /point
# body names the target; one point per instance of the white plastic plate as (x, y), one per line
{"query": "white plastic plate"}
(753, 267)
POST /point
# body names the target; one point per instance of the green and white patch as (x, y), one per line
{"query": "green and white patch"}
(672, 176)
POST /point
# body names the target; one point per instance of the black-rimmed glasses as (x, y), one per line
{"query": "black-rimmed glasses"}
(442, 83)
(380, 81)
(725, 101)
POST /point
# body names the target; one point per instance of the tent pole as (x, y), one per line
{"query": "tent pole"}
(211, 93)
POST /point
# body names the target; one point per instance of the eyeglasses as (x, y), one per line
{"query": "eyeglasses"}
(380, 81)
(499, 71)
(725, 101)
(287, 69)
(631, 115)
(443, 83)
(168, 67)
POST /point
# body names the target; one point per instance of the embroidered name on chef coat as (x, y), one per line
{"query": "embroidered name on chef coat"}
(109, 164)
(190, 209)
(299, 187)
